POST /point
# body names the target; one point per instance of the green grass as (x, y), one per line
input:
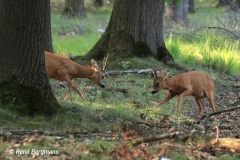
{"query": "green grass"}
(74, 37)
(215, 49)
(212, 49)
(105, 109)
(208, 52)
(195, 45)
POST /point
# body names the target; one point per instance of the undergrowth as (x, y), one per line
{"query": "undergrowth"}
(130, 94)
(128, 97)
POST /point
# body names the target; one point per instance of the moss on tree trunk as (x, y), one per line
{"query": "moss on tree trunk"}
(120, 44)
(25, 100)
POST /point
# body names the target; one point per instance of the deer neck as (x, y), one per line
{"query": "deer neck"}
(169, 83)
(84, 72)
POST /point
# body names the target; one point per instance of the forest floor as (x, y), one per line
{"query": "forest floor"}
(140, 138)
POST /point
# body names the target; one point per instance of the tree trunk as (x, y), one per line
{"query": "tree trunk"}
(237, 3)
(235, 6)
(222, 3)
(48, 36)
(74, 8)
(98, 3)
(23, 39)
(135, 28)
(191, 8)
(177, 13)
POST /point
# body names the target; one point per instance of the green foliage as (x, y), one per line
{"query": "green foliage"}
(126, 64)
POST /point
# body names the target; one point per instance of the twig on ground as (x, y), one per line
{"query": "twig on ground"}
(218, 112)
(155, 138)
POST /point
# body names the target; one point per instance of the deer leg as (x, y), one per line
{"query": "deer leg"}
(71, 85)
(67, 94)
(167, 98)
(77, 90)
(211, 100)
(183, 94)
(200, 105)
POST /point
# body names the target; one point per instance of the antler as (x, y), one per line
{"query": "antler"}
(105, 59)
(155, 72)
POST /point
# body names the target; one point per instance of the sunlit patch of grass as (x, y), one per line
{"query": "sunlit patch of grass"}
(209, 51)
(74, 36)
(74, 46)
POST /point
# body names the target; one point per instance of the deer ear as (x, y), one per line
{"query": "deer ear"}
(168, 74)
(93, 64)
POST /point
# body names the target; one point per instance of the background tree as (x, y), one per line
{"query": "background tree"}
(222, 3)
(98, 3)
(177, 10)
(235, 6)
(24, 86)
(74, 8)
(238, 3)
(191, 8)
(135, 27)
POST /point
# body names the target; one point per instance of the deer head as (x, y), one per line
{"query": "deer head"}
(99, 74)
(159, 80)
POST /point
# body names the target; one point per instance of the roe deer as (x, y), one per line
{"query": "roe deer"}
(192, 83)
(64, 69)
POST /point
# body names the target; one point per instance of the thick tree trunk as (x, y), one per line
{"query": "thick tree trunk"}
(135, 27)
(177, 13)
(74, 8)
(23, 39)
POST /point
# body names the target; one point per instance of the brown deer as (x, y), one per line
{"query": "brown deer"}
(64, 69)
(191, 83)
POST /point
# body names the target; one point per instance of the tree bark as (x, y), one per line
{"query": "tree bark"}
(237, 2)
(74, 8)
(135, 28)
(48, 46)
(191, 8)
(98, 3)
(23, 39)
(177, 11)
(222, 3)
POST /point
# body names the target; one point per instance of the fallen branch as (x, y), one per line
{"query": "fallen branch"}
(218, 112)
(156, 138)
(135, 71)
(159, 125)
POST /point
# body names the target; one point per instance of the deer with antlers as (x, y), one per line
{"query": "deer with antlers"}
(192, 83)
(64, 69)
